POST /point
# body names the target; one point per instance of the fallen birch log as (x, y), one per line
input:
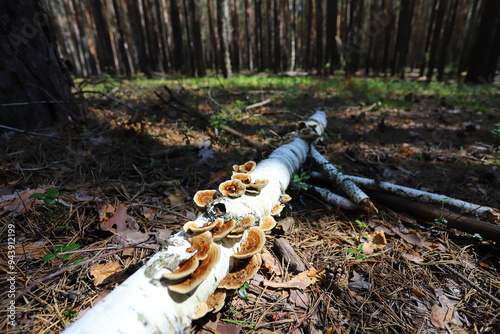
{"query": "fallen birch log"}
(334, 199)
(491, 214)
(351, 189)
(155, 299)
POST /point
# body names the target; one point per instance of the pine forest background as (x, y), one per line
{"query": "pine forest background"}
(426, 39)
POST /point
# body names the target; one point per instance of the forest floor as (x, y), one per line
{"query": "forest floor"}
(135, 163)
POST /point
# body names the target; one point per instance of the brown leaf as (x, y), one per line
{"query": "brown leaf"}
(103, 271)
(440, 316)
(411, 238)
(27, 250)
(300, 281)
(116, 220)
(413, 258)
(376, 241)
(358, 282)
(270, 263)
(22, 203)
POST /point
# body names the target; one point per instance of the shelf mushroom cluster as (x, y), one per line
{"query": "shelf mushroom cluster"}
(246, 260)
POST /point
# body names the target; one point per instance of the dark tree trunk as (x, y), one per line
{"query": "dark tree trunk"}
(486, 49)
(213, 36)
(403, 37)
(307, 39)
(103, 39)
(436, 38)
(224, 36)
(138, 34)
(331, 51)
(198, 45)
(441, 62)
(277, 39)
(235, 38)
(249, 35)
(178, 60)
(319, 37)
(31, 70)
(259, 40)
(124, 55)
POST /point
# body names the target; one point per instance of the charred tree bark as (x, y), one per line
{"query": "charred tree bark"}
(177, 36)
(441, 62)
(331, 50)
(436, 37)
(31, 71)
(198, 45)
(484, 58)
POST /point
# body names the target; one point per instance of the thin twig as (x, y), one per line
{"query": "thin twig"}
(468, 281)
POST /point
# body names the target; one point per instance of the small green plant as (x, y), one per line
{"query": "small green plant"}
(60, 249)
(242, 291)
(50, 196)
(298, 179)
(358, 251)
(360, 223)
(69, 314)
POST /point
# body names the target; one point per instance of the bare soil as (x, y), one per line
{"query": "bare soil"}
(424, 278)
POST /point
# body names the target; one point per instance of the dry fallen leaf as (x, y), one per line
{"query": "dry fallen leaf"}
(116, 220)
(103, 271)
(358, 282)
(413, 258)
(270, 263)
(411, 238)
(376, 241)
(22, 203)
(300, 281)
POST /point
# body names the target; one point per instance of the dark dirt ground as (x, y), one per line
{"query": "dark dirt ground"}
(426, 278)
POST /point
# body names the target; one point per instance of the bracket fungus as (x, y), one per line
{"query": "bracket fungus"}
(186, 268)
(194, 227)
(202, 243)
(202, 197)
(242, 271)
(256, 186)
(278, 207)
(285, 198)
(243, 177)
(213, 304)
(200, 274)
(222, 230)
(247, 167)
(267, 224)
(252, 243)
(244, 224)
(232, 188)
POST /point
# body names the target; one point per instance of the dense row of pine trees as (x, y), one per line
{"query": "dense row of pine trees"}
(433, 38)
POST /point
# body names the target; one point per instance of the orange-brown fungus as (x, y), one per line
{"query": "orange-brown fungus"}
(232, 188)
(251, 244)
(241, 272)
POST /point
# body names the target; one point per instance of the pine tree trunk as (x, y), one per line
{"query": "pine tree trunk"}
(224, 36)
(484, 58)
(31, 71)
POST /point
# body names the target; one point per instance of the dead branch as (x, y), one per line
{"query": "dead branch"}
(470, 225)
(356, 194)
(286, 252)
(491, 214)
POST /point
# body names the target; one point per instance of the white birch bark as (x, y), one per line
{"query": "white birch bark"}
(143, 303)
(335, 199)
(352, 190)
(462, 207)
